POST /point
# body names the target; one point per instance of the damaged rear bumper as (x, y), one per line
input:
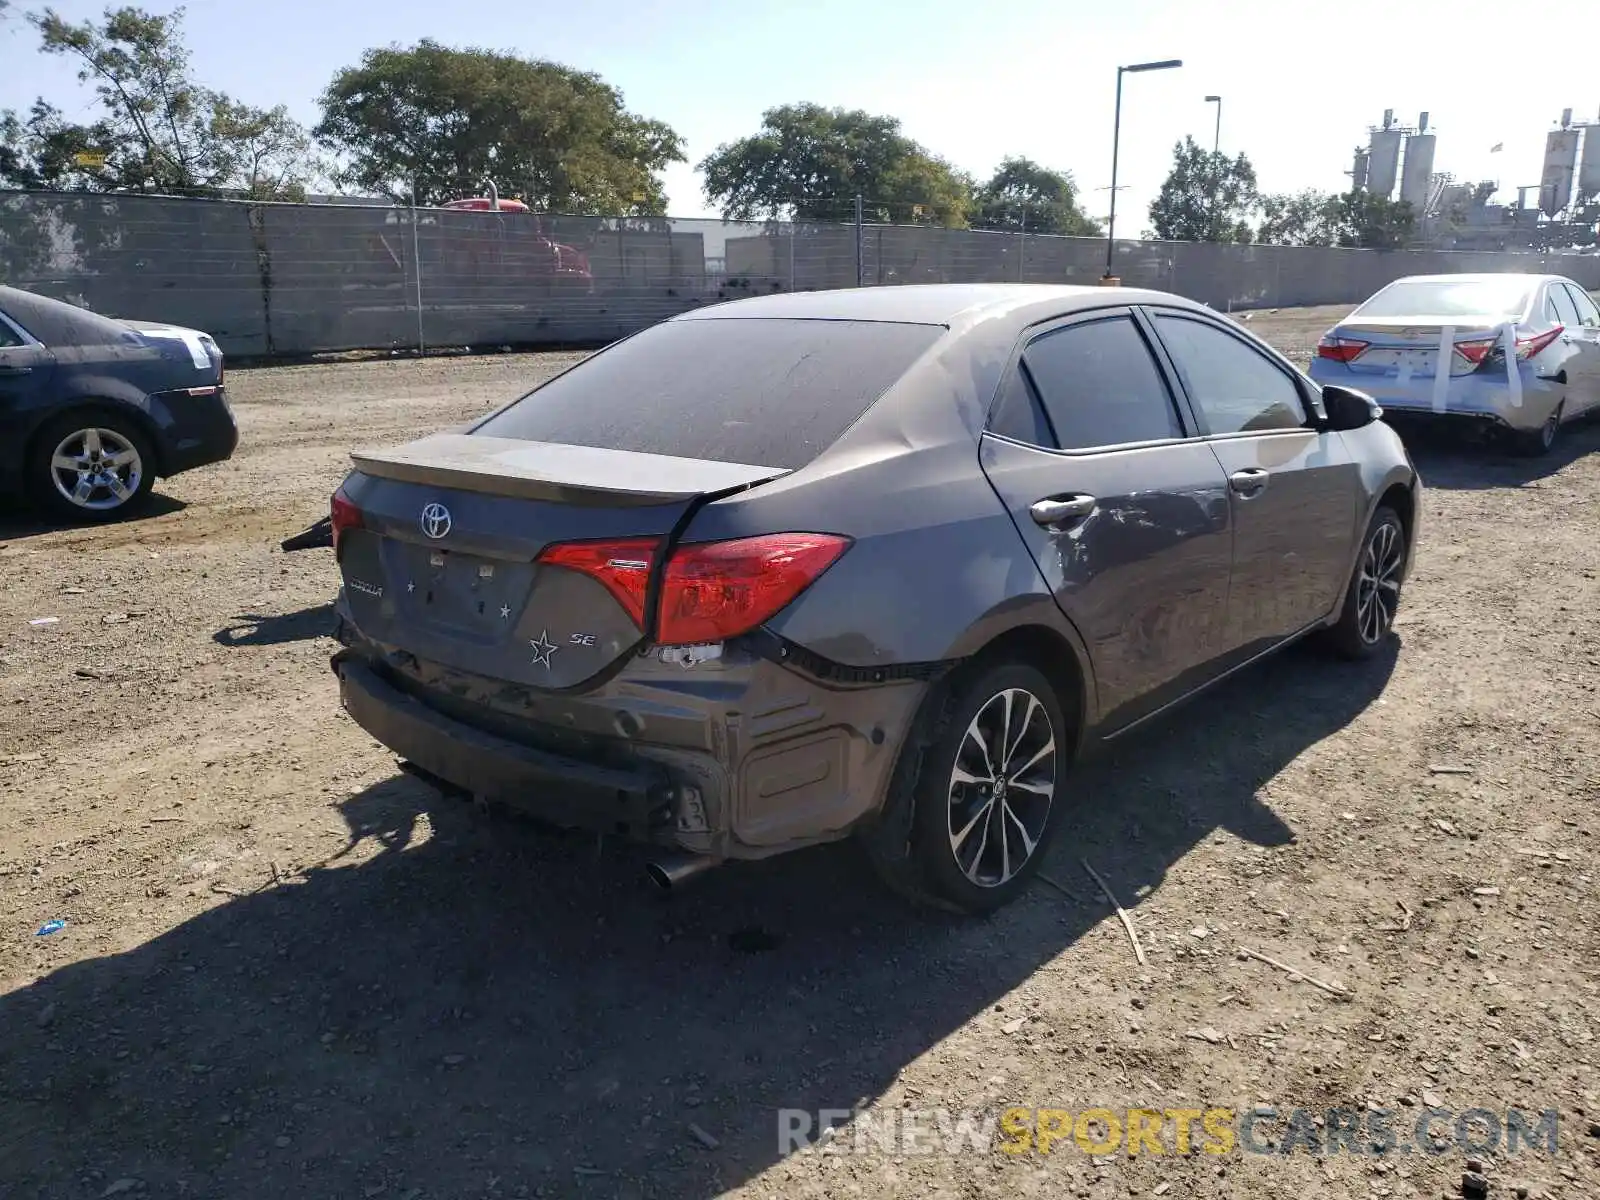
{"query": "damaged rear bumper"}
(634, 802)
(742, 757)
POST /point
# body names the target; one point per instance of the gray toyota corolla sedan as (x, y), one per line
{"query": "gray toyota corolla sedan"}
(882, 561)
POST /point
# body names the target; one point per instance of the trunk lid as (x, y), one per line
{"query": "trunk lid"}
(444, 564)
(1406, 348)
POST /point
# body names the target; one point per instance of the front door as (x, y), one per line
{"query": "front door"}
(25, 370)
(1124, 512)
(1294, 491)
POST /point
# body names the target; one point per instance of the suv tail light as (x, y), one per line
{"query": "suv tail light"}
(345, 515)
(711, 591)
(1530, 345)
(1340, 349)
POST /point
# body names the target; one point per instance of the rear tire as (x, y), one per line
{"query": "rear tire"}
(983, 776)
(1541, 441)
(92, 465)
(1372, 600)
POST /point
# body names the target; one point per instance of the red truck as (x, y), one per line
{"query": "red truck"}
(565, 268)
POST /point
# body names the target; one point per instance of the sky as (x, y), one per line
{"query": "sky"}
(973, 82)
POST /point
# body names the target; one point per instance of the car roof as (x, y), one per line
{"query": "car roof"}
(934, 303)
(1479, 277)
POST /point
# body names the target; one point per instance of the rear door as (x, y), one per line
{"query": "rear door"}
(1294, 491)
(1124, 513)
(1581, 331)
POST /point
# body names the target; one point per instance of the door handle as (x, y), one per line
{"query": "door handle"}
(1249, 481)
(1058, 510)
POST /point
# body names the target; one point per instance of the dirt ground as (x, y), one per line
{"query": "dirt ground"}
(287, 971)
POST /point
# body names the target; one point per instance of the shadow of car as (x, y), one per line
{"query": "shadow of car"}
(479, 1000)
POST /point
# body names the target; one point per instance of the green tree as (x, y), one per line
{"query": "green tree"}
(159, 129)
(1375, 222)
(1306, 218)
(809, 163)
(1206, 197)
(1022, 195)
(448, 121)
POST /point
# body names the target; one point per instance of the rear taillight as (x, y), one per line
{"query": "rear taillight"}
(1340, 349)
(710, 591)
(718, 590)
(345, 515)
(1528, 346)
(1476, 350)
(622, 567)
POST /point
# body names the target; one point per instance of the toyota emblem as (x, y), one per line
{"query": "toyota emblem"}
(435, 520)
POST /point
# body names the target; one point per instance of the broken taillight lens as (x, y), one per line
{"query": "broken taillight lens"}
(710, 591)
(1340, 349)
(345, 515)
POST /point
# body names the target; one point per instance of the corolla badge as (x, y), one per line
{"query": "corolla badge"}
(435, 520)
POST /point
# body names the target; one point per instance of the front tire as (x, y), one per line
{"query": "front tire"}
(1373, 598)
(985, 788)
(91, 466)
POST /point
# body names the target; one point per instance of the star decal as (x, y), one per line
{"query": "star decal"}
(543, 648)
(505, 611)
(411, 586)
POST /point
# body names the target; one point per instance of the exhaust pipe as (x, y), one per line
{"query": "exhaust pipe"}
(670, 871)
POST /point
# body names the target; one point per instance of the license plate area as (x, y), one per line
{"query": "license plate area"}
(464, 594)
(1397, 361)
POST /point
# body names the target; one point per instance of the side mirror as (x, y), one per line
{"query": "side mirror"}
(1348, 408)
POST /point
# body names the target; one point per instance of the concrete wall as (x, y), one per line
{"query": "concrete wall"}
(281, 279)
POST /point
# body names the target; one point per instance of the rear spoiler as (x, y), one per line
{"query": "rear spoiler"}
(551, 471)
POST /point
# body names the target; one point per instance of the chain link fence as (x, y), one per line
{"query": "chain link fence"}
(282, 279)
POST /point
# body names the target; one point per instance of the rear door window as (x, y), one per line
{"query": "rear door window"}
(1588, 314)
(1100, 386)
(8, 333)
(1237, 388)
(1018, 414)
(1566, 311)
(772, 393)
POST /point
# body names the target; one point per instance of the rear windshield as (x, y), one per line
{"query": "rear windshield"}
(1450, 298)
(772, 393)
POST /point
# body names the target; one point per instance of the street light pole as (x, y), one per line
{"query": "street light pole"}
(1116, 140)
(1216, 170)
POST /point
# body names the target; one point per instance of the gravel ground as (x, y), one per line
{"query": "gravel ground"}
(286, 971)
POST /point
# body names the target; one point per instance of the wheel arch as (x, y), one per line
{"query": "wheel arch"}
(1055, 655)
(85, 406)
(1401, 496)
